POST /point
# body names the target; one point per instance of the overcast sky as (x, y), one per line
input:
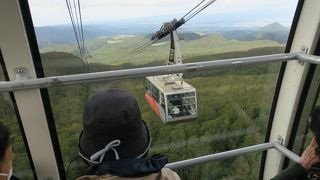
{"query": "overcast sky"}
(53, 12)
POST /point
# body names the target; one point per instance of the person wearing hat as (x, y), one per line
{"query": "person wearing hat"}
(305, 167)
(115, 140)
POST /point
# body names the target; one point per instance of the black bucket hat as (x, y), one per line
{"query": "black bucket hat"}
(113, 128)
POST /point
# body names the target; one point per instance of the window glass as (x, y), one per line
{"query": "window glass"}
(21, 162)
(233, 107)
(181, 104)
(232, 104)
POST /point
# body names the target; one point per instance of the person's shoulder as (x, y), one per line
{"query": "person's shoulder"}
(94, 177)
(163, 174)
(88, 177)
(169, 174)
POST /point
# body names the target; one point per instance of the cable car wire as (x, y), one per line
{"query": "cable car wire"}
(137, 50)
(193, 9)
(84, 51)
(73, 23)
(167, 28)
(77, 25)
(81, 27)
(199, 10)
(75, 14)
(143, 46)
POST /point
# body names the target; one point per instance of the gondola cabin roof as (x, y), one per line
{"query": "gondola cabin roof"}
(175, 87)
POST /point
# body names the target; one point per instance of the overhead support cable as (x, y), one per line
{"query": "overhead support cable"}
(169, 27)
(137, 50)
(193, 9)
(81, 28)
(84, 50)
(74, 10)
(140, 48)
(199, 10)
(77, 26)
(69, 5)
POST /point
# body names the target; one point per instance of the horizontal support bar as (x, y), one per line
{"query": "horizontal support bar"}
(217, 156)
(233, 153)
(22, 84)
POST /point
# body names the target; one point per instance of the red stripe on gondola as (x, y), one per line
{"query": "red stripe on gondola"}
(152, 102)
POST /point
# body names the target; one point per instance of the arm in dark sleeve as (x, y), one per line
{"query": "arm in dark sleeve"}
(295, 171)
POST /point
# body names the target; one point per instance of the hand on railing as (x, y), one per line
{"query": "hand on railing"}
(310, 155)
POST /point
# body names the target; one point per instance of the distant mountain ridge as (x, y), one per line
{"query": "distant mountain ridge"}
(63, 34)
(275, 32)
(274, 27)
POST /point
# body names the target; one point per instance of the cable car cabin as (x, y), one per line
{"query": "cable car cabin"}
(173, 102)
(259, 100)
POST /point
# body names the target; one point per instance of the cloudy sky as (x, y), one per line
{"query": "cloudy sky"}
(53, 12)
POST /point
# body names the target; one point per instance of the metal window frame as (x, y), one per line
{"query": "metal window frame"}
(16, 51)
(309, 97)
(293, 82)
(18, 118)
(39, 72)
(292, 32)
(33, 84)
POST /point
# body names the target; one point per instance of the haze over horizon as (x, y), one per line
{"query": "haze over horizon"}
(222, 12)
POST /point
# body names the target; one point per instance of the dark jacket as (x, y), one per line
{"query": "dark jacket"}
(294, 172)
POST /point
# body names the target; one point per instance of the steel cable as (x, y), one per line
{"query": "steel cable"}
(199, 10)
(73, 23)
(193, 12)
(74, 9)
(193, 9)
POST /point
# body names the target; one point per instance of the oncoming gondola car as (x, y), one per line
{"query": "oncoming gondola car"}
(174, 102)
(172, 99)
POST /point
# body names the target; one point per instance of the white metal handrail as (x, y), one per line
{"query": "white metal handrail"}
(25, 83)
(232, 153)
